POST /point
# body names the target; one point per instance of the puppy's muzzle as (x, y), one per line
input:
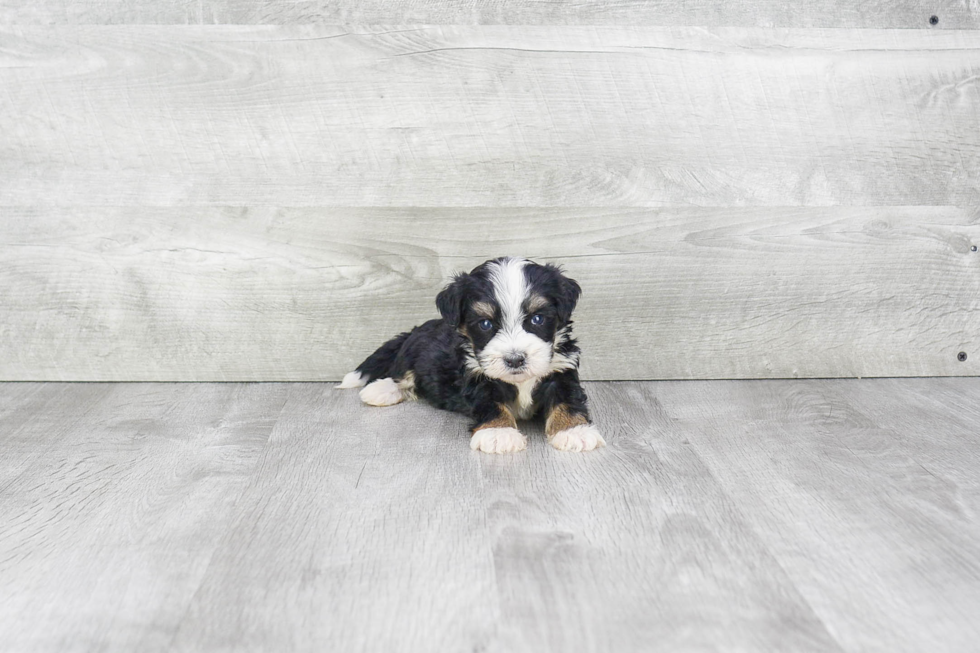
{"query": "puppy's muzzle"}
(515, 360)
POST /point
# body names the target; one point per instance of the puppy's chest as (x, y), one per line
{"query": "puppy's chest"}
(523, 404)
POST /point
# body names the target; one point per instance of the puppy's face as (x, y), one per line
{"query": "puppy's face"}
(514, 313)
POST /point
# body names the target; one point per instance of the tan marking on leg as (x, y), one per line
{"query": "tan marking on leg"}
(504, 420)
(407, 385)
(560, 419)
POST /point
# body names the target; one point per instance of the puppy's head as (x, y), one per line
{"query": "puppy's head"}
(515, 315)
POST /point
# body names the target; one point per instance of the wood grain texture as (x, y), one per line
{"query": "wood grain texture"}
(747, 13)
(113, 505)
(730, 515)
(866, 473)
(488, 116)
(339, 529)
(298, 294)
(32, 424)
(633, 549)
(361, 530)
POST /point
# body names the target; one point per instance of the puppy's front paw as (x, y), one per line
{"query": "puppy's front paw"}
(584, 437)
(498, 440)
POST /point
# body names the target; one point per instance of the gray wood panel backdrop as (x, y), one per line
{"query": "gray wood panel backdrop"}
(246, 190)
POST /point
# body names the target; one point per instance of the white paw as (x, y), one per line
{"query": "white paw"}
(584, 437)
(498, 440)
(383, 392)
(352, 380)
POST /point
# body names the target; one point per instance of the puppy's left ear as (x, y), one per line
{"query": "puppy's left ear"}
(450, 300)
(566, 296)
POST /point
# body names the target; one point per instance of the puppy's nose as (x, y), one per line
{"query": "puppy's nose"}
(515, 360)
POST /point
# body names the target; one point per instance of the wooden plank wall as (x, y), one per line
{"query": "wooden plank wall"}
(266, 191)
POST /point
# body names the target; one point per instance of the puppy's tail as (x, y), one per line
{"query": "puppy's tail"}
(376, 366)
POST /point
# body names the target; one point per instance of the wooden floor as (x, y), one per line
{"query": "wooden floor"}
(819, 515)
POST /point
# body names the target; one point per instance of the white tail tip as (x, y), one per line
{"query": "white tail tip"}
(352, 380)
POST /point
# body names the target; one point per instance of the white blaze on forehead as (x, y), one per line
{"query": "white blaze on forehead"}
(510, 290)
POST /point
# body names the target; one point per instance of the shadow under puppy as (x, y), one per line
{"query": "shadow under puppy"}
(502, 351)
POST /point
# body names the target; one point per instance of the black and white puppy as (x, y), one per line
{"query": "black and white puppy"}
(502, 351)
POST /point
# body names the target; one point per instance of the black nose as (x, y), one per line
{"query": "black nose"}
(515, 361)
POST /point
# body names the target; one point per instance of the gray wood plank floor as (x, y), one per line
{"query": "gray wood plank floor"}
(816, 515)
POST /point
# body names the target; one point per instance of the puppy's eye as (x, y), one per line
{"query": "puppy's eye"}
(486, 325)
(537, 320)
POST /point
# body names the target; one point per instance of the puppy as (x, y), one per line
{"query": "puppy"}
(502, 351)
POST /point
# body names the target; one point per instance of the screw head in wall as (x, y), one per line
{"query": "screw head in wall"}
(933, 20)
(961, 356)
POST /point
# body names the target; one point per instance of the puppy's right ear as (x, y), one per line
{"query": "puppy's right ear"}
(450, 300)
